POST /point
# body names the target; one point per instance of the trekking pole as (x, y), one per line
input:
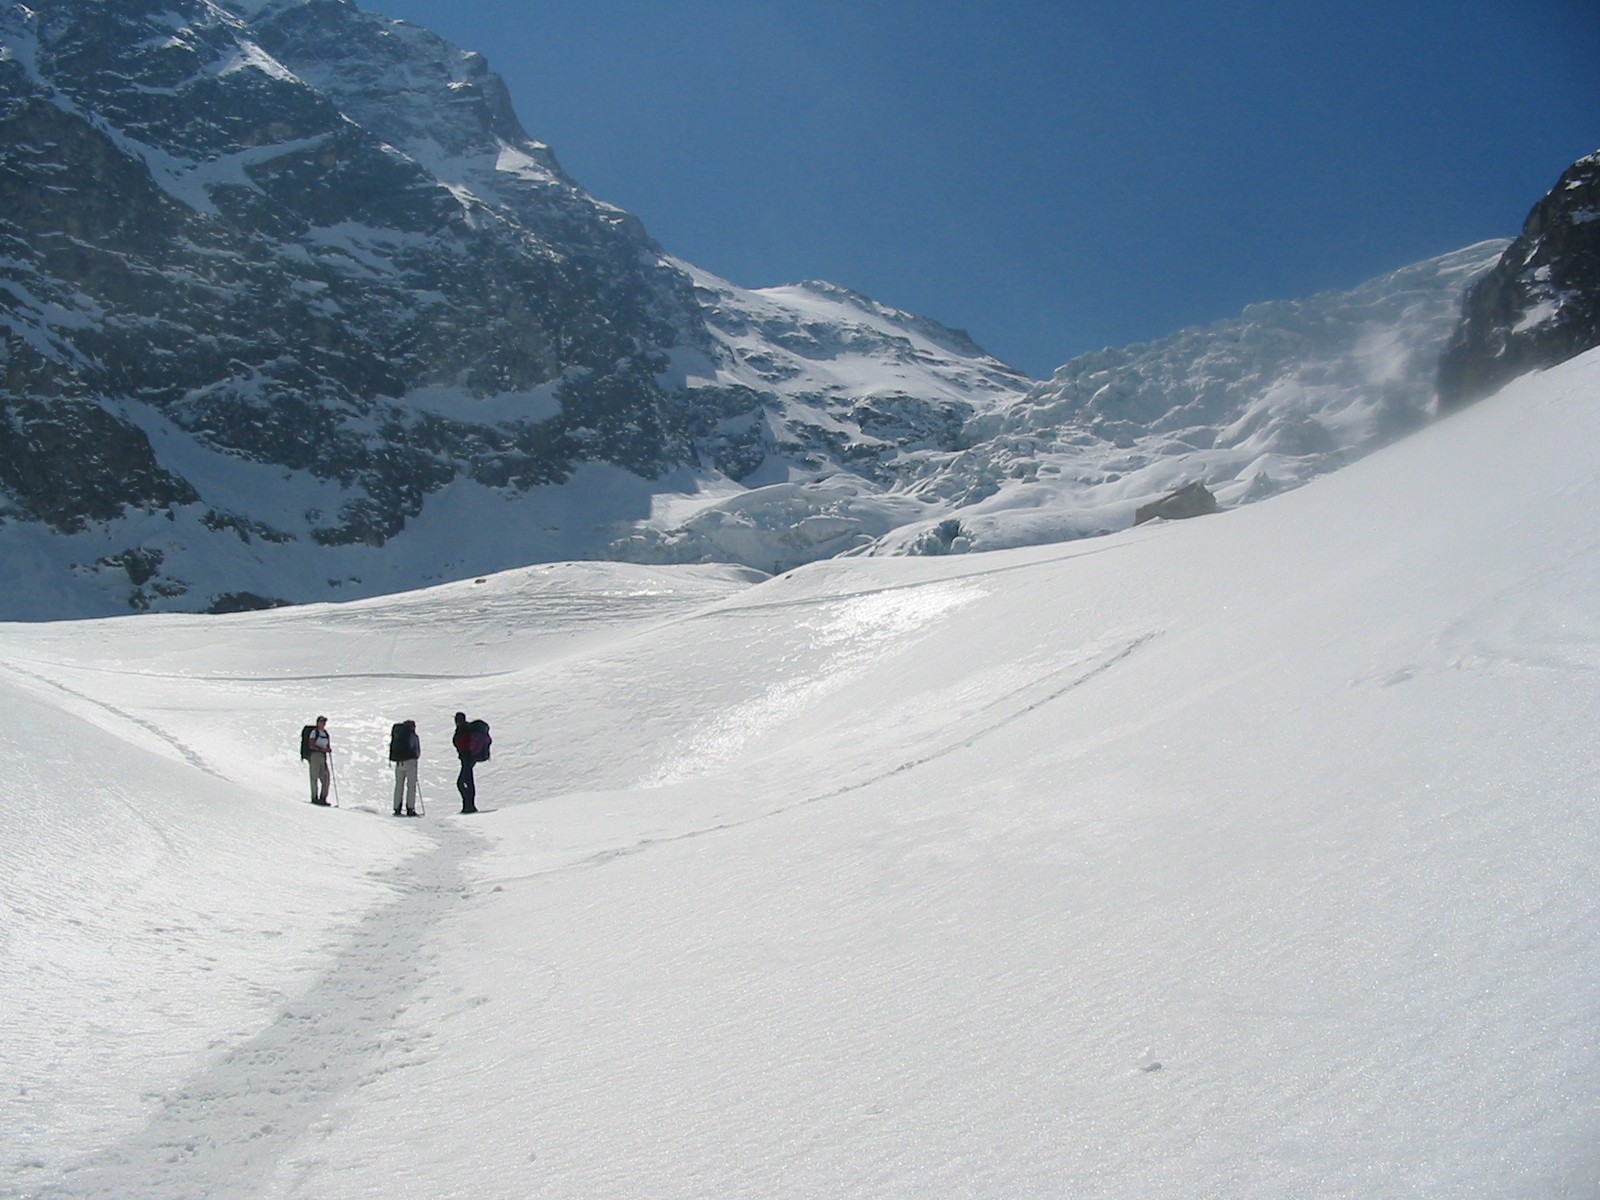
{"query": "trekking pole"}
(422, 808)
(334, 776)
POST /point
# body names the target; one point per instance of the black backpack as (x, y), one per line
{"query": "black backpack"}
(305, 742)
(399, 743)
(478, 740)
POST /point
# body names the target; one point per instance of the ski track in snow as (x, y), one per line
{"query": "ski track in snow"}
(1012, 711)
(187, 752)
(986, 571)
(231, 1130)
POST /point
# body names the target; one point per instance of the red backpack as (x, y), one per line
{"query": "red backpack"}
(473, 740)
(478, 740)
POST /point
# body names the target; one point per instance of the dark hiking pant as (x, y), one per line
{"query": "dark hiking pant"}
(466, 786)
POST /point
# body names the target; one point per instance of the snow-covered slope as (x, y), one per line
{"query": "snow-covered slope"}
(1281, 394)
(1244, 857)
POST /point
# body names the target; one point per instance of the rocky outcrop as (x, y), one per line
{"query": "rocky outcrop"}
(193, 228)
(1540, 305)
(1191, 500)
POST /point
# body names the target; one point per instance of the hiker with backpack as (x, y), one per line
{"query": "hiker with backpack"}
(315, 748)
(405, 748)
(472, 743)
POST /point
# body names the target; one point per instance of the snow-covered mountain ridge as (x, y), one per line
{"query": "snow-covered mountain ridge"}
(1249, 407)
(293, 308)
(1242, 857)
(1287, 391)
(302, 296)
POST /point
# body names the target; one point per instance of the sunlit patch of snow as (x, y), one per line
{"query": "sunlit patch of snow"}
(843, 640)
(1537, 314)
(249, 56)
(513, 160)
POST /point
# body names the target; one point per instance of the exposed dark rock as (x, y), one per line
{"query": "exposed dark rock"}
(237, 602)
(141, 564)
(66, 461)
(143, 567)
(225, 244)
(1540, 305)
(1191, 500)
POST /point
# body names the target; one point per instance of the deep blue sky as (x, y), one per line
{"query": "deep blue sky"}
(1052, 176)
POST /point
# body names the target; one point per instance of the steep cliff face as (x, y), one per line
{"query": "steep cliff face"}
(211, 235)
(1540, 305)
(277, 277)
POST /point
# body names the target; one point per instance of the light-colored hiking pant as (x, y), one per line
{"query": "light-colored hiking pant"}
(317, 761)
(405, 780)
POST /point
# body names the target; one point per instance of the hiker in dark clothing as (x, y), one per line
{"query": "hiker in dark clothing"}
(469, 759)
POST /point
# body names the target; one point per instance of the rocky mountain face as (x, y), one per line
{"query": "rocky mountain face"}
(277, 276)
(1540, 305)
(292, 308)
(194, 228)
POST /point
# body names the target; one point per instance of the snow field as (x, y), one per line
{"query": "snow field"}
(1249, 857)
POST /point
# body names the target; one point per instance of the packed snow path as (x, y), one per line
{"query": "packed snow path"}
(248, 1125)
(1245, 857)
